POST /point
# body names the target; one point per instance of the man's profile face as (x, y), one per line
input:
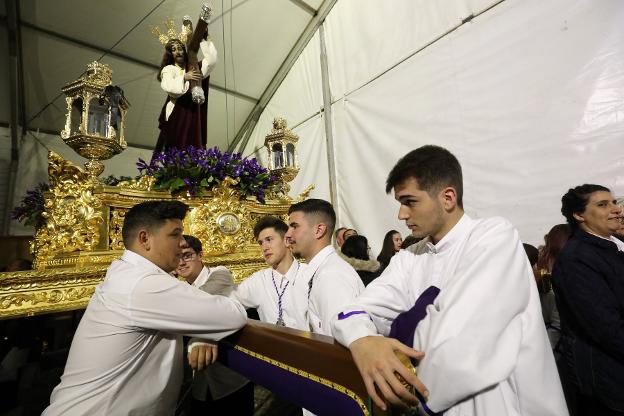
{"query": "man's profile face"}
(272, 245)
(165, 245)
(190, 265)
(423, 215)
(300, 235)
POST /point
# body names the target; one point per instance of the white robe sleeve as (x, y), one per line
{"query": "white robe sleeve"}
(375, 309)
(172, 81)
(248, 291)
(166, 304)
(472, 337)
(209, 62)
(330, 292)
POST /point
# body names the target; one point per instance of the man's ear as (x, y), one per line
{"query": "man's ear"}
(448, 198)
(578, 217)
(144, 239)
(320, 230)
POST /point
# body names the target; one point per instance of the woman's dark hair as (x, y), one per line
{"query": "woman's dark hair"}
(387, 249)
(356, 247)
(410, 240)
(168, 59)
(554, 241)
(575, 201)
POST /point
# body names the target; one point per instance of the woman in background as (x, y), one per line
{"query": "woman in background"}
(391, 245)
(356, 252)
(588, 279)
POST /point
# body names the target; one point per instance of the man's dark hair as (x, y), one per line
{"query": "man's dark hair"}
(575, 201)
(270, 222)
(318, 207)
(433, 167)
(152, 214)
(194, 243)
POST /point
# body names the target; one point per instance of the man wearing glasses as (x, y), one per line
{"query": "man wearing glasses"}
(216, 389)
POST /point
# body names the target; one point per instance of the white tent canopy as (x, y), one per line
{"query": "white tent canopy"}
(529, 95)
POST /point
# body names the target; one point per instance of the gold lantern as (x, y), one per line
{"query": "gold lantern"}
(96, 110)
(283, 160)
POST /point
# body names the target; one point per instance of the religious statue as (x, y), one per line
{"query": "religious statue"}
(183, 119)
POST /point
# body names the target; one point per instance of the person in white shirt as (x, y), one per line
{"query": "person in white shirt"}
(215, 389)
(464, 298)
(279, 292)
(332, 282)
(126, 355)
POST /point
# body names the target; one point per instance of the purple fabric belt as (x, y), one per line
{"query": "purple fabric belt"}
(311, 395)
(404, 326)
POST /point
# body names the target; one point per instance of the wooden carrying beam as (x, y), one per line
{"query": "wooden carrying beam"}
(310, 370)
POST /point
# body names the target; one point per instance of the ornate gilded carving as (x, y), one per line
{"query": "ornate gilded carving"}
(217, 223)
(144, 183)
(72, 212)
(114, 229)
(29, 293)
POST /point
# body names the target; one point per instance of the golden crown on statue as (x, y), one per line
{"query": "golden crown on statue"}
(171, 32)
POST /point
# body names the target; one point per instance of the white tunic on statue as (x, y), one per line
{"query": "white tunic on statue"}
(486, 349)
(172, 76)
(259, 291)
(334, 284)
(126, 355)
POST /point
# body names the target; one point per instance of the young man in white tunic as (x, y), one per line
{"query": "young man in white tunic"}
(279, 292)
(331, 282)
(126, 355)
(477, 332)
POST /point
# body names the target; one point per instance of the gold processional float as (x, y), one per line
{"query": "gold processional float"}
(81, 235)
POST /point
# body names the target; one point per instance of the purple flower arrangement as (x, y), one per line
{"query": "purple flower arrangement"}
(197, 171)
(30, 208)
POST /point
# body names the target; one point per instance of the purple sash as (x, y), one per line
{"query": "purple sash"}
(405, 324)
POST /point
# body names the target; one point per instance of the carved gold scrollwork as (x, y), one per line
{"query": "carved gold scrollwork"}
(145, 183)
(223, 223)
(115, 226)
(71, 210)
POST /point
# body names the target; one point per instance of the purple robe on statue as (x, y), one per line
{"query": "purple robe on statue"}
(187, 124)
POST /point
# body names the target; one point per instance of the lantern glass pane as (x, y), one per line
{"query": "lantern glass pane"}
(290, 154)
(97, 121)
(278, 156)
(76, 116)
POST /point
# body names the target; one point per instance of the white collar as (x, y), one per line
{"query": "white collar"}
(202, 278)
(619, 243)
(320, 257)
(454, 234)
(131, 257)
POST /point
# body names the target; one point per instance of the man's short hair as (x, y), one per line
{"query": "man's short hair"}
(150, 215)
(194, 243)
(269, 221)
(433, 167)
(318, 207)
